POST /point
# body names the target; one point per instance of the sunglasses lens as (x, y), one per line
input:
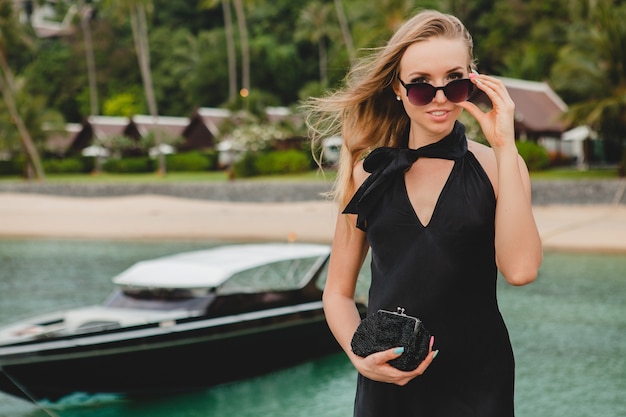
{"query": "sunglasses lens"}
(421, 94)
(458, 90)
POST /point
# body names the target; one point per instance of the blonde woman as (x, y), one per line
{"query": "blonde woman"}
(440, 215)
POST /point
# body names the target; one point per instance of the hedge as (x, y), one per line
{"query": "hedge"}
(128, 165)
(535, 156)
(272, 163)
(191, 161)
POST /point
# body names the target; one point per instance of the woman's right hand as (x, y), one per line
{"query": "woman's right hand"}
(376, 366)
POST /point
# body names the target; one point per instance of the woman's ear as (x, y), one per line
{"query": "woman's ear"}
(397, 90)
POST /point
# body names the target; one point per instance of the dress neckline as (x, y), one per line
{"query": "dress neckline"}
(386, 163)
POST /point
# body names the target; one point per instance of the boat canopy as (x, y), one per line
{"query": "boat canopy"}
(211, 267)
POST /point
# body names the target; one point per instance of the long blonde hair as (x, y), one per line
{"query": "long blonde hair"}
(365, 112)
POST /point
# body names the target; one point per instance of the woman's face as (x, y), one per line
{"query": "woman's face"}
(436, 61)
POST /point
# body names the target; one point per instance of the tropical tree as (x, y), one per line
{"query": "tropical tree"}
(136, 9)
(313, 26)
(245, 49)
(345, 27)
(11, 34)
(590, 72)
(242, 29)
(521, 39)
(230, 44)
(86, 12)
(375, 21)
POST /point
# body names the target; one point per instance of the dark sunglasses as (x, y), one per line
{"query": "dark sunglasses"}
(456, 91)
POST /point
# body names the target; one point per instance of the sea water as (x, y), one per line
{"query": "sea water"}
(568, 331)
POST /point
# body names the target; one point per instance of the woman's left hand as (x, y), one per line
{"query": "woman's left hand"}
(498, 123)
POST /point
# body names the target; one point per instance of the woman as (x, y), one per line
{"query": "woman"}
(440, 215)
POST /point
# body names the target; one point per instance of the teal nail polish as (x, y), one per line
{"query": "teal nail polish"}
(398, 350)
(435, 353)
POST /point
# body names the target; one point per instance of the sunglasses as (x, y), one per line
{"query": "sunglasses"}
(456, 91)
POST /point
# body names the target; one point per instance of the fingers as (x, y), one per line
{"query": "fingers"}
(493, 88)
(376, 366)
(382, 358)
(498, 123)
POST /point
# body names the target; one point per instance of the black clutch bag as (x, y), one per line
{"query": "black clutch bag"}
(385, 330)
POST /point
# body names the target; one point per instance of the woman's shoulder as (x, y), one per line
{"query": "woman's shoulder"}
(359, 174)
(483, 153)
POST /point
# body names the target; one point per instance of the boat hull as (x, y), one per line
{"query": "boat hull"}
(167, 357)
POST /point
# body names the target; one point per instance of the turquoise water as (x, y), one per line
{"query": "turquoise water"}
(568, 330)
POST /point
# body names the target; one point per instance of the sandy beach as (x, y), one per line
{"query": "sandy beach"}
(597, 228)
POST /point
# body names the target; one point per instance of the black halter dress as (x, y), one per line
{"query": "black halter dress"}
(445, 274)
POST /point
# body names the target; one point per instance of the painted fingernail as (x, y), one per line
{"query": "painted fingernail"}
(435, 353)
(432, 341)
(398, 350)
(473, 75)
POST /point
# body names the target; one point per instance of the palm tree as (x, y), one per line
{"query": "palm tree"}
(313, 26)
(345, 28)
(590, 71)
(137, 11)
(245, 49)
(230, 44)
(86, 13)
(11, 34)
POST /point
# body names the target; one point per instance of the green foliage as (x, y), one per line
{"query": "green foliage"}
(256, 102)
(190, 162)
(578, 44)
(125, 104)
(535, 156)
(590, 73)
(64, 166)
(282, 162)
(128, 165)
(12, 167)
(246, 166)
(311, 89)
(472, 128)
(175, 54)
(271, 163)
(53, 63)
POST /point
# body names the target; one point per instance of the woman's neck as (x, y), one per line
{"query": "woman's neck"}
(419, 137)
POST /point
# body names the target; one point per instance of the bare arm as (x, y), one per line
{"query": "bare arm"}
(517, 241)
(349, 249)
(348, 253)
(518, 245)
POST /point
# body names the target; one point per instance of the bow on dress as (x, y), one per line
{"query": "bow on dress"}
(385, 163)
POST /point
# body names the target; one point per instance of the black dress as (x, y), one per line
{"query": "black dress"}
(445, 274)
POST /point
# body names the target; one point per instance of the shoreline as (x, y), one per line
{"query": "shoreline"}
(563, 227)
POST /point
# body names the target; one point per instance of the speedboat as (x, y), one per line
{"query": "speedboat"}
(178, 323)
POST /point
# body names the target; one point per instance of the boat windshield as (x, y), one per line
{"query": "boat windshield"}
(278, 276)
(159, 299)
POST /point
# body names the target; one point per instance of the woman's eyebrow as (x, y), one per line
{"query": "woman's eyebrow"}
(417, 74)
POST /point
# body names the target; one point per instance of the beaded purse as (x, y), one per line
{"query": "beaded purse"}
(385, 330)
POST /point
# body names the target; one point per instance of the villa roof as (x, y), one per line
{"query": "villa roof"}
(538, 109)
(172, 126)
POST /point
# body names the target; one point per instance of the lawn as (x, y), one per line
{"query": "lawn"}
(326, 175)
(211, 176)
(575, 174)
